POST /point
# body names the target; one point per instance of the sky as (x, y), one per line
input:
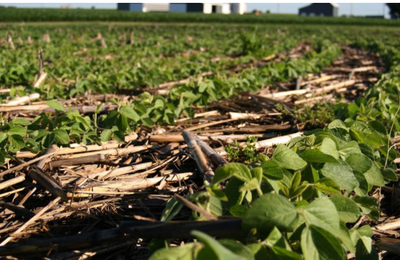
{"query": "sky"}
(358, 9)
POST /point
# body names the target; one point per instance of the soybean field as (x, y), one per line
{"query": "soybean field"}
(199, 140)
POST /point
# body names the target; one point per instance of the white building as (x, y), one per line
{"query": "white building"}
(207, 8)
(238, 8)
(144, 7)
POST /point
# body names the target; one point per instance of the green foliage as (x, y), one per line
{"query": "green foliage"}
(313, 117)
(246, 154)
(36, 15)
(306, 194)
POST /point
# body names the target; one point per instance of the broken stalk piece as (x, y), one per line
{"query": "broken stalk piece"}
(41, 74)
(198, 155)
(216, 159)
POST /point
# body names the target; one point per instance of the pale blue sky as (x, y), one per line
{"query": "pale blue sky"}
(358, 9)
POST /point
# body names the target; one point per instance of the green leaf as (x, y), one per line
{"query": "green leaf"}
(345, 238)
(130, 113)
(350, 147)
(217, 192)
(56, 105)
(363, 186)
(185, 252)
(328, 147)
(237, 248)
(288, 159)
(342, 174)
(359, 162)
(17, 130)
(106, 135)
(387, 173)
(172, 208)
(214, 247)
(119, 136)
(347, 208)
(374, 176)
(235, 197)
(316, 156)
(318, 244)
(337, 124)
(238, 170)
(85, 121)
(322, 213)
(327, 186)
(147, 121)
(250, 185)
(365, 249)
(238, 211)
(379, 127)
(367, 203)
(16, 143)
(279, 253)
(3, 156)
(272, 170)
(268, 211)
(61, 136)
(275, 238)
(21, 121)
(257, 173)
(3, 136)
(48, 140)
(367, 150)
(362, 133)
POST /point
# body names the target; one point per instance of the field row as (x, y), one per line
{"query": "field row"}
(51, 15)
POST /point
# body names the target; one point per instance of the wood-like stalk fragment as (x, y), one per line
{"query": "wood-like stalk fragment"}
(319, 80)
(30, 221)
(391, 245)
(250, 129)
(175, 137)
(17, 209)
(131, 38)
(310, 92)
(25, 164)
(11, 182)
(198, 115)
(389, 225)
(5, 194)
(266, 143)
(21, 100)
(40, 80)
(81, 148)
(103, 43)
(95, 158)
(214, 157)
(121, 171)
(46, 38)
(134, 183)
(117, 151)
(10, 41)
(41, 76)
(198, 155)
(47, 182)
(209, 124)
(240, 116)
